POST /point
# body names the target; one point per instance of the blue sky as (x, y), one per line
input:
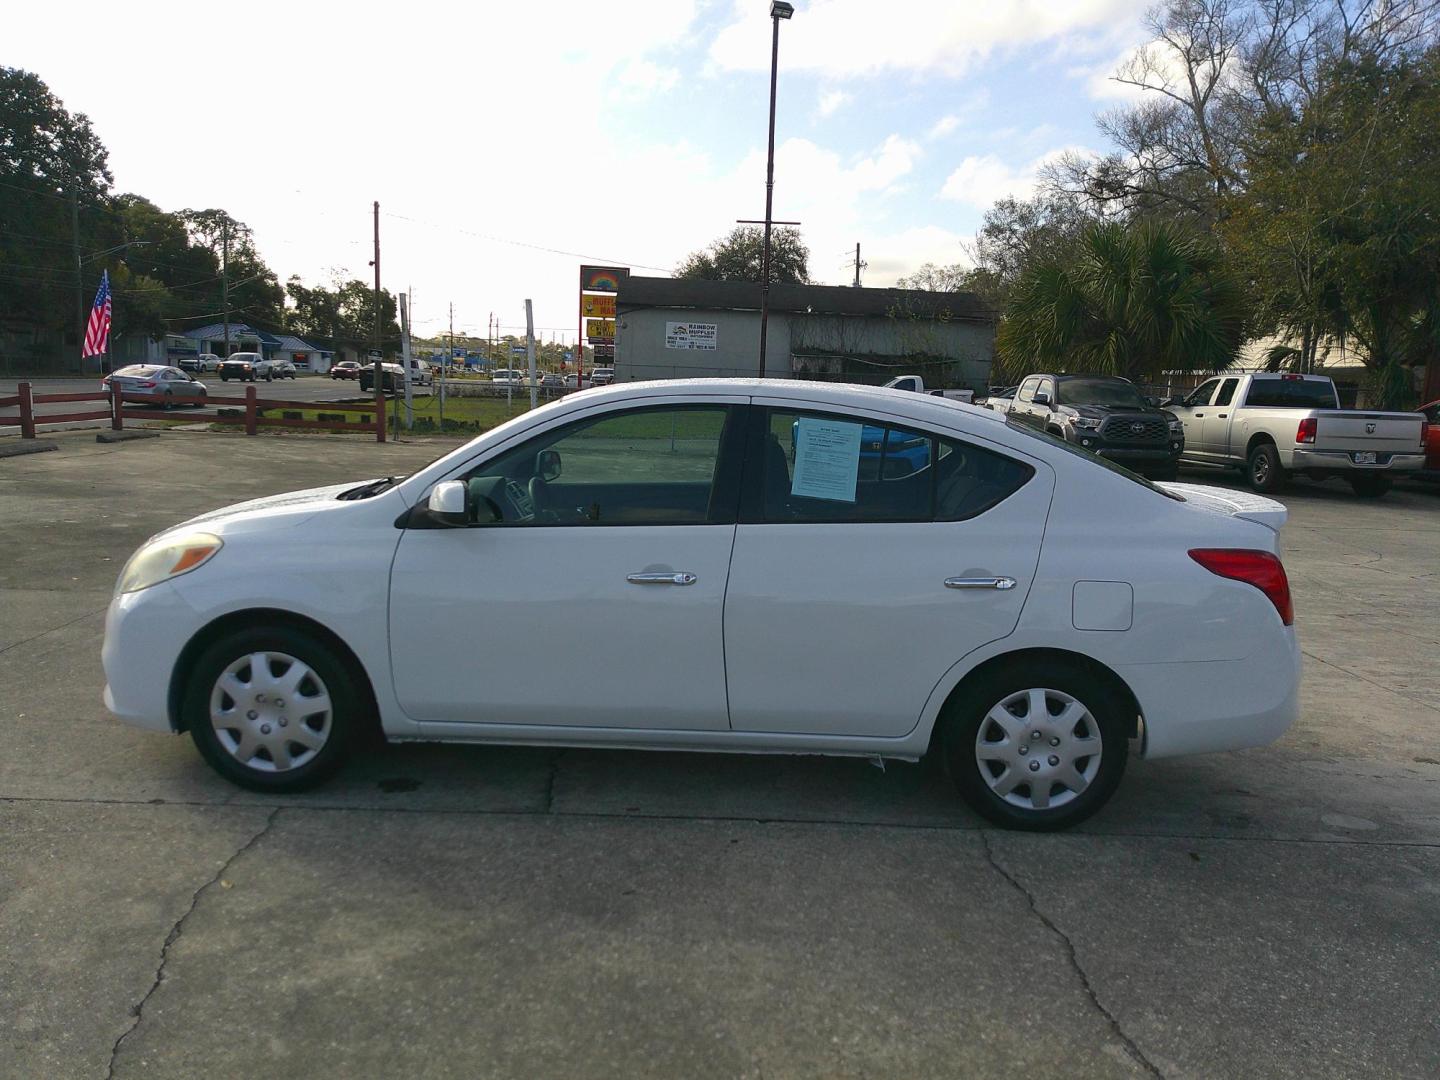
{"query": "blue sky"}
(627, 130)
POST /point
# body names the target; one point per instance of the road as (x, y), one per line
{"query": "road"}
(445, 911)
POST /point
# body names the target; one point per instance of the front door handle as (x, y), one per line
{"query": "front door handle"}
(1001, 583)
(1222, 416)
(1198, 415)
(661, 579)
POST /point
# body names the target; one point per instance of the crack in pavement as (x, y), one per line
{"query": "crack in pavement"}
(138, 1011)
(1371, 682)
(550, 781)
(54, 629)
(1130, 1045)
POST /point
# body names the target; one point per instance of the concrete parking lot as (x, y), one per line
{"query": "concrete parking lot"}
(511, 912)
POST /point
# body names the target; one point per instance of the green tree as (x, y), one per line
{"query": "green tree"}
(1135, 300)
(738, 256)
(1337, 228)
(255, 293)
(343, 315)
(50, 162)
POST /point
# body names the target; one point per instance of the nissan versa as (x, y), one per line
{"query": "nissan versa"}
(761, 580)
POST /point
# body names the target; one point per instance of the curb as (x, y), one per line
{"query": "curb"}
(126, 435)
(27, 446)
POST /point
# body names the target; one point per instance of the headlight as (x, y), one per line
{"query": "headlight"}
(166, 559)
(1177, 428)
(1089, 423)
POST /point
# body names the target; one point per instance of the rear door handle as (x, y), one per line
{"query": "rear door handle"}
(682, 578)
(1001, 583)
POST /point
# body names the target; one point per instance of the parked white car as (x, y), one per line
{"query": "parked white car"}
(1020, 606)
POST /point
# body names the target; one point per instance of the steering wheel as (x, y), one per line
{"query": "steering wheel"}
(538, 500)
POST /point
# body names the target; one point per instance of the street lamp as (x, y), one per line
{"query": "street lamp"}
(778, 10)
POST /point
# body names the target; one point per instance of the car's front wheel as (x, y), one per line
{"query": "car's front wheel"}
(1037, 747)
(272, 709)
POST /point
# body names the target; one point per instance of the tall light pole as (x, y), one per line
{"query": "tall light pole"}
(778, 10)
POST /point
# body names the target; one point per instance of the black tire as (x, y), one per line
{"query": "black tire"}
(269, 376)
(1106, 718)
(167, 401)
(1370, 486)
(346, 714)
(1262, 469)
(224, 378)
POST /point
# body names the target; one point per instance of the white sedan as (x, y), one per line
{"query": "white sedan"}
(773, 566)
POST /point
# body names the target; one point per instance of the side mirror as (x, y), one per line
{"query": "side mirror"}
(447, 503)
(547, 465)
(1153, 402)
(1042, 398)
(1171, 401)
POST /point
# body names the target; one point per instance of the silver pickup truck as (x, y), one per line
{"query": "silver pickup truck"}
(1273, 426)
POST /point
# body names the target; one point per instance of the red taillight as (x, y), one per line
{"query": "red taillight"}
(1258, 568)
(1306, 431)
(148, 385)
(1424, 433)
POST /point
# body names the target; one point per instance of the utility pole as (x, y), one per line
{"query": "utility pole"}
(379, 371)
(530, 350)
(405, 357)
(858, 264)
(225, 281)
(79, 284)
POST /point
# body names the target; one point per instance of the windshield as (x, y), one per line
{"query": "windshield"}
(1291, 394)
(1104, 463)
(1110, 392)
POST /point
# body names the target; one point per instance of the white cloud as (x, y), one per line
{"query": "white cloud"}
(896, 255)
(980, 181)
(848, 38)
(644, 77)
(831, 100)
(895, 159)
(942, 127)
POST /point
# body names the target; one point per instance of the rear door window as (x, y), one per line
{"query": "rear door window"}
(827, 467)
(1227, 392)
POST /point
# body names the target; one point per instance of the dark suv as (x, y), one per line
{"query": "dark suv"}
(1106, 415)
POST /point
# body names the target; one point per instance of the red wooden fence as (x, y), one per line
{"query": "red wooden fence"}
(26, 400)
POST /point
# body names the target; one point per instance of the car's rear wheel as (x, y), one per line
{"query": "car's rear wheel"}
(1370, 486)
(167, 400)
(1263, 471)
(272, 709)
(1037, 747)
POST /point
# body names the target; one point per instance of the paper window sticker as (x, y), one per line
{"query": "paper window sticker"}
(827, 459)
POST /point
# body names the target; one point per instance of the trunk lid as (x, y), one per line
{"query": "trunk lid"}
(1240, 504)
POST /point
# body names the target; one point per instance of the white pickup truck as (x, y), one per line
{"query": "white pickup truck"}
(915, 384)
(1273, 426)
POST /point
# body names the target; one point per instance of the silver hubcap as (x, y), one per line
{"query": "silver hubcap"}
(270, 711)
(1038, 749)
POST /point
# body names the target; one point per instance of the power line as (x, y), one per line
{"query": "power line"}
(533, 247)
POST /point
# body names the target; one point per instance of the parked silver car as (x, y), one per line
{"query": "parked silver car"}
(153, 384)
(282, 369)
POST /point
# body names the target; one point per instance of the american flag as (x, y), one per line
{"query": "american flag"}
(97, 331)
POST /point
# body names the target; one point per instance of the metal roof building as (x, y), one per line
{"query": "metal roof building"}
(683, 328)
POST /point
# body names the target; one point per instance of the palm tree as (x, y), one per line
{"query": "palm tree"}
(1134, 299)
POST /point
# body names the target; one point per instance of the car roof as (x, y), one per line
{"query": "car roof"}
(811, 391)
